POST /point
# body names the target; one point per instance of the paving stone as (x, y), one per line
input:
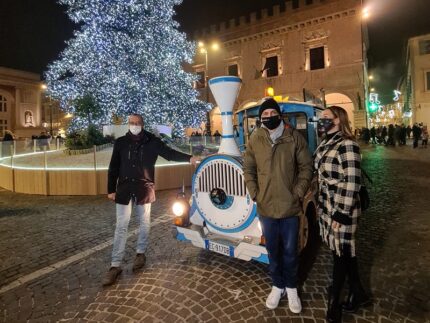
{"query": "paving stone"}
(184, 284)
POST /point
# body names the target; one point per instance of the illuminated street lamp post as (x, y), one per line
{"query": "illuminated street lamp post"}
(372, 89)
(44, 87)
(365, 14)
(204, 50)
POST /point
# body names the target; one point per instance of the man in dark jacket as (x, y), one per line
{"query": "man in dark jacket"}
(278, 172)
(416, 133)
(131, 181)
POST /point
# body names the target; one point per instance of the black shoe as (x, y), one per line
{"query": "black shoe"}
(334, 310)
(139, 261)
(111, 276)
(334, 314)
(355, 300)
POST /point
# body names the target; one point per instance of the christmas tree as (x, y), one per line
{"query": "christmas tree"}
(128, 56)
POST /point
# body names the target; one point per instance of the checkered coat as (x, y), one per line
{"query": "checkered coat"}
(337, 162)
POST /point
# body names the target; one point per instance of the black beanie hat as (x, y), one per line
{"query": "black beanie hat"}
(269, 104)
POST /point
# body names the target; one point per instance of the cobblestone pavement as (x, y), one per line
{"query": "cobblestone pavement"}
(55, 250)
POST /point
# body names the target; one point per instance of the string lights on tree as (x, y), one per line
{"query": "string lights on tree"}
(128, 55)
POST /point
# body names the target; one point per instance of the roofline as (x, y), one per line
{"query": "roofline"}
(418, 37)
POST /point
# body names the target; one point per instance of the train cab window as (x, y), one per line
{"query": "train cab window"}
(249, 126)
(298, 121)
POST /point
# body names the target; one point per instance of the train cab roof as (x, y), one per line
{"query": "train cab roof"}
(286, 106)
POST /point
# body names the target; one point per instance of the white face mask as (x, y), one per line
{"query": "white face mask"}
(135, 130)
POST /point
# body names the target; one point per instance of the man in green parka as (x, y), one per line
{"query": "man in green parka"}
(278, 172)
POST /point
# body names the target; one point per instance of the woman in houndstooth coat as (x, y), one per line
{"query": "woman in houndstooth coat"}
(337, 161)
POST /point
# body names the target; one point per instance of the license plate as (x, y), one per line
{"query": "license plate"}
(218, 247)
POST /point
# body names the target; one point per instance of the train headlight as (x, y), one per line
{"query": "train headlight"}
(180, 209)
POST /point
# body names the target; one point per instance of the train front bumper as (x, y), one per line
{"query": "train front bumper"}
(246, 249)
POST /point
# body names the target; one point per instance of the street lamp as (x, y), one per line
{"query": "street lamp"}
(365, 13)
(203, 50)
(44, 88)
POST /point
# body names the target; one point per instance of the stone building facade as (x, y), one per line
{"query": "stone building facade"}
(320, 47)
(416, 84)
(20, 102)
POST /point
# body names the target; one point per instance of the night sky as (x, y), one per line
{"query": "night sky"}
(32, 32)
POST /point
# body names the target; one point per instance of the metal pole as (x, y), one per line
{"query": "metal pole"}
(45, 155)
(95, 157)
(363, 64)
(208, 122)
(96, 184)
(11, 156)
(50, 115)
(207, 76)
(11, 167)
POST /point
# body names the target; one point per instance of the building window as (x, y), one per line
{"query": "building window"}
(428, 81)
(3, 104)
(317, 59)
(200, 83)
(233, 70)
(271, 68)
(3, 126)
(424, 47)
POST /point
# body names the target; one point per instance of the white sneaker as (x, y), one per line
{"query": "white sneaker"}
(294, 300)
(274, 297)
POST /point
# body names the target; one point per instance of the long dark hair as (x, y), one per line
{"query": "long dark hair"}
(344, 126)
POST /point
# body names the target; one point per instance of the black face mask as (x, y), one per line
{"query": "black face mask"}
(271, 122)
(324, 125)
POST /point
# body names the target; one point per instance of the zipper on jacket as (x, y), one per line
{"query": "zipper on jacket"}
(271, 173)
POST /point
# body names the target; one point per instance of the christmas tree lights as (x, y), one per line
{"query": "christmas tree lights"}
(128, 56)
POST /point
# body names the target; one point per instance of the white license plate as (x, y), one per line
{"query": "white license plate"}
(218, 247)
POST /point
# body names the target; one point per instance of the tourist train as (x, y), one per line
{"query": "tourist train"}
(221, 216)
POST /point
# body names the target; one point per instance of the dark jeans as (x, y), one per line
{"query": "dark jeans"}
(345, 266)
(281, 245)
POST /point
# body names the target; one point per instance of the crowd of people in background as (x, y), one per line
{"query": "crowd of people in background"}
(205, 133)
(42, 142)
(395, 135)
(214, 137)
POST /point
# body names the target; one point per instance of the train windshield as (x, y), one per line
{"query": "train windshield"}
(297, 120)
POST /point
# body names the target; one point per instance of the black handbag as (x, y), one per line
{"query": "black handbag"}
(364, 193)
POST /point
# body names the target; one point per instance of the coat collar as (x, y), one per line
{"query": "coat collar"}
(264, 133)
(325, 145)
(333, 140)
(144, 136)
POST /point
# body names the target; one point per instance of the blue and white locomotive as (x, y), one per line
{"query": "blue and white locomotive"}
(222, 216)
